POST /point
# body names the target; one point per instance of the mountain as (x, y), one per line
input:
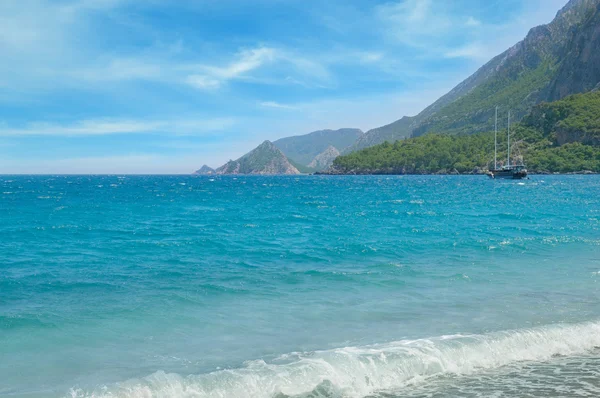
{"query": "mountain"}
(325, 158)
(552, 62)
(304, 148)
(397, 130)
(205, 170)
(302, 168)
(264, 159)
(562, 136)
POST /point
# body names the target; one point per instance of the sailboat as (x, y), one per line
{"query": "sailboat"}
(508, 171)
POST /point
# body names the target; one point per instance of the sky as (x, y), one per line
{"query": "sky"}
(159, 86)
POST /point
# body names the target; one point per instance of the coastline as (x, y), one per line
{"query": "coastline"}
(446, 173)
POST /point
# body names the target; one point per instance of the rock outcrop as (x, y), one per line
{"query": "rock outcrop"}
(551, 63)
(324, 159)
(205, 170)
(266, 159)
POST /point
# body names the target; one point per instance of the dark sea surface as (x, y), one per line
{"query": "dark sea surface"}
(374, 286)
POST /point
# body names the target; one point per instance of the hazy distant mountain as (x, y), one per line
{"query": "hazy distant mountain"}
(397, 130)
(264, 159)
(324, 159)
(552, 62)
(304, 148)
(205, 170)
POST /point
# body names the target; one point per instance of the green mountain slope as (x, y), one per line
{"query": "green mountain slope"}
(573, 119)
(304, 148)
(563, 136)
(264, 159)
(553, 61)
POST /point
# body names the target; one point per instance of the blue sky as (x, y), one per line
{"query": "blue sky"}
(158, 86)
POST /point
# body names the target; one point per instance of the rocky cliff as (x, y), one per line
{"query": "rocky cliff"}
(264, 159)
(552, 62)
(324, 159)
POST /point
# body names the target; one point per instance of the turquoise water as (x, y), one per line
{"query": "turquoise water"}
(176, 286)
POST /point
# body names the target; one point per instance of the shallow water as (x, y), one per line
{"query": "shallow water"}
(413, 286)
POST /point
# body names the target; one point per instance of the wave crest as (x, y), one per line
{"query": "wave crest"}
(360, 371)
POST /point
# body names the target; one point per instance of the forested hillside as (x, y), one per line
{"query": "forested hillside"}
(563, 136)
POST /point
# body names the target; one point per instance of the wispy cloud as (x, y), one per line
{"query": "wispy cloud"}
(110, 127)
(119, 164)
(280, 61)
(247, 60)
(120, 68)
(276, 105)
(203, 82)
(110, 69)
(413, 22)
(472, 51)
(370, 56)
(472, 22)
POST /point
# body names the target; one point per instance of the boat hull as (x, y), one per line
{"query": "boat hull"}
(508, 174)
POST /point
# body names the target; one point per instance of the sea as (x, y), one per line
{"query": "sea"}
(299, 286)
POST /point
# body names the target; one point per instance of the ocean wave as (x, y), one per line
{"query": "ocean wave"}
(361, 371)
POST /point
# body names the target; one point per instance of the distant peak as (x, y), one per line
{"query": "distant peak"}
(205, 170)
(266, 144)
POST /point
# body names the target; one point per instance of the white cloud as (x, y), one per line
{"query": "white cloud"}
(472, 22)
(203, 82)
(418, 10)
(214, 76)
(108, 127)
(368, 57)
(47, 45)
(50, 47)
(307, 66)
(121, 69)
(493, 39)
(276, 105)
(279, 60)
(472, 50)
(413, 22)
(97, 5)
(118, 164)
(161, 65)
(42, 26)
(248, 60)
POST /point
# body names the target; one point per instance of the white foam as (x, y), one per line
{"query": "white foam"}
(359, 371)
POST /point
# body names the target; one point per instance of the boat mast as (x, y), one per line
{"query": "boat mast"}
(496, 141)
(508, 156)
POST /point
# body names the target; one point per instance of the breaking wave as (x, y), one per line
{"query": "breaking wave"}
(360, 371)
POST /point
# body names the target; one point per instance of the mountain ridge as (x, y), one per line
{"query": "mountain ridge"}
(550, 63)
(557, 137)
(264, 159)
(304, 148)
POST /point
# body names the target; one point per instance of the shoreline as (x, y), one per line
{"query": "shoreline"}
(582, 172)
